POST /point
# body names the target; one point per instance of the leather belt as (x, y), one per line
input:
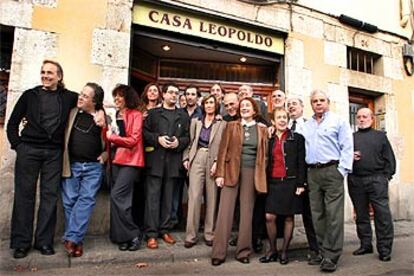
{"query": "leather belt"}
(323, 165)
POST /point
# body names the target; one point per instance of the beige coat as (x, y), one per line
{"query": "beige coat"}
(214, 143)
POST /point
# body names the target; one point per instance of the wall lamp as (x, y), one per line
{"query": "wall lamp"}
(358, 24)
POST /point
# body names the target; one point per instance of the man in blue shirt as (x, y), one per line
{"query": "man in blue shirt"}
(329, 155)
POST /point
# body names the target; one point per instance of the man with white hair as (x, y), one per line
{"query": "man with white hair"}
(329, 155)
(374, 166)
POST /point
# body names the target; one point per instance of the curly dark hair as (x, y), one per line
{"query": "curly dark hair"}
(132, 101)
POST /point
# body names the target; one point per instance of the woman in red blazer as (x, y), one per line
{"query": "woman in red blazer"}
(126, 139)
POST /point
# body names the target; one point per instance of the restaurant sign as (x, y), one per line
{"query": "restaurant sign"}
(215, 29)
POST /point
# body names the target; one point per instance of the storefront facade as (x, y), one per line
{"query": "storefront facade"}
(296, 46)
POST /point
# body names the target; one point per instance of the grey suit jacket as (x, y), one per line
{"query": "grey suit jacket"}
(214, 143)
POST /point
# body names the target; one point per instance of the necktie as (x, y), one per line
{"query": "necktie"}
(293, 128)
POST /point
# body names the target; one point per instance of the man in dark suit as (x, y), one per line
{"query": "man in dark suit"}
(166, 136)
(296, 122)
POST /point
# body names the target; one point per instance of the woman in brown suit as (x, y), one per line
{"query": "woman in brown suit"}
(241, 165)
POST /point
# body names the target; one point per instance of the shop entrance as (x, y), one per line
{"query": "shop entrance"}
(170, 57)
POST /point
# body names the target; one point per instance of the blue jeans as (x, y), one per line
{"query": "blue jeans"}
(79, 198)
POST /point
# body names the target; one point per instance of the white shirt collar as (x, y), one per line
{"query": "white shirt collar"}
(247, 124)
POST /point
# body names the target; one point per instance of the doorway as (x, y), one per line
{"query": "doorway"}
(165, 57)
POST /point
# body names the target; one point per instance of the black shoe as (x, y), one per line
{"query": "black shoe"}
(135, 244)
(20, 253)
(216, 262)
(283, 259)
(257, 245)
(269, 258)
(46, 250)
(123, 246)
(385, 258)
(243, 260)
(362, 251)
(315, 259)
(188, 244)
(328, 265)
(233, 241)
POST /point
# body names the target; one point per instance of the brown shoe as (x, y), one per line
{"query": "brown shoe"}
(78, 250)
(152, 243)
(188, 244)
(70, 247)
(168, 238)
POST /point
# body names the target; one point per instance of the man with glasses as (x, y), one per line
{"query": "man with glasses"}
(83, 158)
(166, 133)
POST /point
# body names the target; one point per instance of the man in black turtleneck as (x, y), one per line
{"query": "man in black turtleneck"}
(39, 151)
(374, 166)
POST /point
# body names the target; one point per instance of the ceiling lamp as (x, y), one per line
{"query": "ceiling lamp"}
(166, 48)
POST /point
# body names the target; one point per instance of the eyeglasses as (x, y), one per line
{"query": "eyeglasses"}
(84, 96)
(173, 92)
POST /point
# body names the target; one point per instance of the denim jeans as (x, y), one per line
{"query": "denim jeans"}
(79, 198)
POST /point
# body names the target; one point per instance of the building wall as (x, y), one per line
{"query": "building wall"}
(395, 12)
(92, 43)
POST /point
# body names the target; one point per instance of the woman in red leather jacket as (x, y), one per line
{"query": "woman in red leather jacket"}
(126, 138)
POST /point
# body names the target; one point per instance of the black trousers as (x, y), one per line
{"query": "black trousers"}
(122, 226)
(372, 189)
(308, 224)
(259, 218)
(31, 162)
(158, 205)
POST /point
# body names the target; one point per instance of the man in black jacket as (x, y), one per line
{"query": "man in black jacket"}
(39, 151)
(166, 136)
(374, 166)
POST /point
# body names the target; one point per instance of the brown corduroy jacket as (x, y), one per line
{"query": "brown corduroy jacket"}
(229, 158)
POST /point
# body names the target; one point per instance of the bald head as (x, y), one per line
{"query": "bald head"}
(365, 118)
(231, 103)
(278, 98)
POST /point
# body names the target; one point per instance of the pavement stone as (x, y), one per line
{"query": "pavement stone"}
(100, 250)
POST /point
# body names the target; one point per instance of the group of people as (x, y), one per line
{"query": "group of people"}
(228, 150)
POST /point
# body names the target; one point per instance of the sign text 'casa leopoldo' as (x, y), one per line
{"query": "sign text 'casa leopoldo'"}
(163, 18)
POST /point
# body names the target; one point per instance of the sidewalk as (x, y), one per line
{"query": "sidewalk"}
(99, 250)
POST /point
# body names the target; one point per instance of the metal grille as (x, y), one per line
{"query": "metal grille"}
(362, 61)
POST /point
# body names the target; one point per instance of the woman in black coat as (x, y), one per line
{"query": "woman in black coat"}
(286, 177)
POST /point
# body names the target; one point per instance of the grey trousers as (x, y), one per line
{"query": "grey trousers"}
(326, 195)
(226, 213)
